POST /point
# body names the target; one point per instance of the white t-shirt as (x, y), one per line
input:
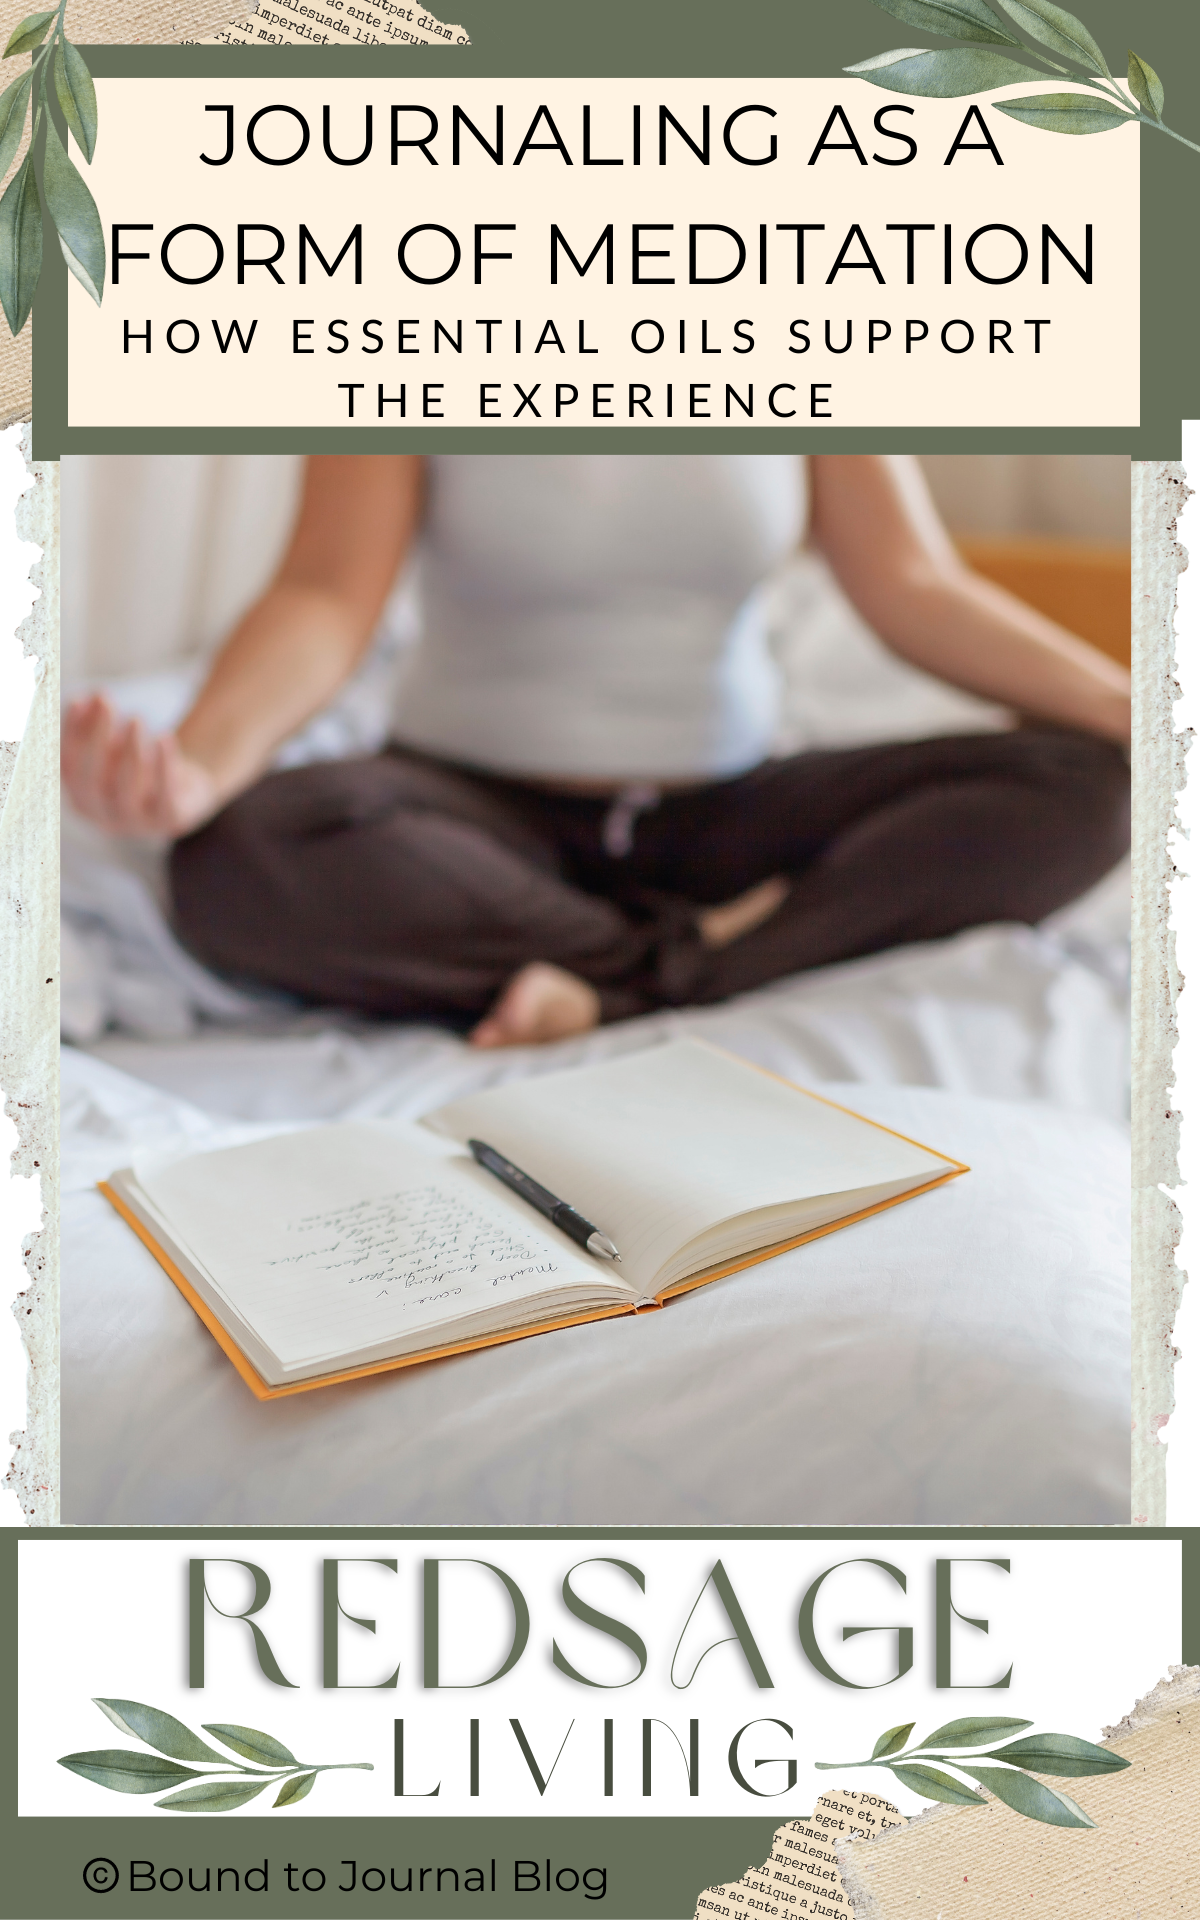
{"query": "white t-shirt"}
(600, 616)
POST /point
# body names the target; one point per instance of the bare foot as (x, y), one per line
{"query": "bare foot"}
(720, 925)
(540, 1003)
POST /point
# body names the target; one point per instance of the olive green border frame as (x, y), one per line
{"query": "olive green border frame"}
(670, 1860)
(656, 1866)
(633, 38)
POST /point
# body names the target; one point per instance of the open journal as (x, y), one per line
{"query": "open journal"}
(328, 1252)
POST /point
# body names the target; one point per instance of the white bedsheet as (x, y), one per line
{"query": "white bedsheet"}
(960, 1359)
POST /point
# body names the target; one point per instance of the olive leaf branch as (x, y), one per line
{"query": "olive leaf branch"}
(1061, 1755)
(68, 203)
(945, 73)
(126, 1770)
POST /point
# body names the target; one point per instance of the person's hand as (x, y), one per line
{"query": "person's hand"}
(120, 776)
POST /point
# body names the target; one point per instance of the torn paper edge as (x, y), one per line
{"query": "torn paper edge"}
(1180, 1686)
(834, 1801)
(29, 850)
(29, 1003)
(1159, 490)
(213, 25)
(1182, 1435)
(429, 31)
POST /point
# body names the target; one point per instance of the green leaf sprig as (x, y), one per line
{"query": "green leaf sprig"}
(126, 1770)
(67, 202)
(1061, 1755)
(945, 73)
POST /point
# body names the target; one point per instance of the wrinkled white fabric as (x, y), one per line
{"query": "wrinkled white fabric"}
(1015, 1013)
(962, 1358)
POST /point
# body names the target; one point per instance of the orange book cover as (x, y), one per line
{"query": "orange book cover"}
(262, 1390)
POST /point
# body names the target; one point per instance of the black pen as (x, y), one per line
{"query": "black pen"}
(572, 1224)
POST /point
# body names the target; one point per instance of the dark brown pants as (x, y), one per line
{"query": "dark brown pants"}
(404, 886)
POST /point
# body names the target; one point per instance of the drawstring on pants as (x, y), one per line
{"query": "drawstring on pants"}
(619, 823)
